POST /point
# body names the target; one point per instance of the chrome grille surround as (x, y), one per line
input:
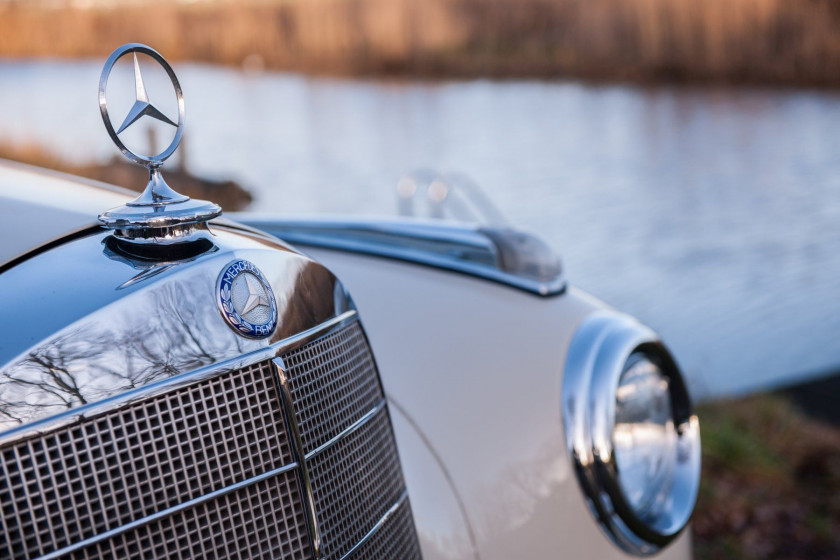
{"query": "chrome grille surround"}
(204, 464)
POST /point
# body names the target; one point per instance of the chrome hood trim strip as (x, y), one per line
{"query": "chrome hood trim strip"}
(506, 255)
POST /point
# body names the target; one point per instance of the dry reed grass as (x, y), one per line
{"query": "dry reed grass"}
(781, 41)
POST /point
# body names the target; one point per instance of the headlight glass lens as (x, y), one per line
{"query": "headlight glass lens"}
(631, 432)
(645, 439)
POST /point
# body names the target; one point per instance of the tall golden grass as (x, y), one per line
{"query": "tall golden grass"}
(783, 41)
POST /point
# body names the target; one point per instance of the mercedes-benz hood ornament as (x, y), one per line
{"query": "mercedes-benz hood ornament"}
(159, 214)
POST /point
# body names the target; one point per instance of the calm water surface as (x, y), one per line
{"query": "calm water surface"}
(713, 215)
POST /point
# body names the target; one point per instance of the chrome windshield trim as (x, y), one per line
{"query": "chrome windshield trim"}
(167, 512)
(379, 524)
(110, 403)
(505, 255)
(348, 430)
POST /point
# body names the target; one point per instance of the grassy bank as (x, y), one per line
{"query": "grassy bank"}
(771, 482)
(776, 41)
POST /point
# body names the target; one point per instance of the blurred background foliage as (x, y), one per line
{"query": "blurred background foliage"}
(768, 41)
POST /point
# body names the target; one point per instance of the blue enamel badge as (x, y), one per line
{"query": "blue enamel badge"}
(246, 300)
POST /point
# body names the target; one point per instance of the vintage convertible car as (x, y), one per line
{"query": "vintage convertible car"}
(176, 384)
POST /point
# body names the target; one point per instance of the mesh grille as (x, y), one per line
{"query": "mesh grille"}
(355, 482)
(79, 481)
(123, 465)
(333, 383)
(256, 522)
(395, 539)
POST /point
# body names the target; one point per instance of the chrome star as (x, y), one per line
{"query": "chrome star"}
(142, 106)
(256, 295)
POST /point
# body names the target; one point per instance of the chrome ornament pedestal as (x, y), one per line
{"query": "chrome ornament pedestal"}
(159, 214)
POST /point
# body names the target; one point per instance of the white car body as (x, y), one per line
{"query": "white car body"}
(473, 371)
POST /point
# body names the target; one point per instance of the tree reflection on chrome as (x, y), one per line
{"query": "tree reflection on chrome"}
(170, 330)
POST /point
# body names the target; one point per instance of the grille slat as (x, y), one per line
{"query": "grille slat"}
(395, 539)
(355, 483)
(333, 382)
(152, 456)
(255, 522)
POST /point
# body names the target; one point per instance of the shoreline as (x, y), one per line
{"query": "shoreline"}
(586, 81)
(817, 398)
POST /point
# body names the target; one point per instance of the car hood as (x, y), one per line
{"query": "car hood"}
(84, 320)
(38, 206)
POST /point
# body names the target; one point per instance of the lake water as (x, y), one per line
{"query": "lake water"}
(711, 214)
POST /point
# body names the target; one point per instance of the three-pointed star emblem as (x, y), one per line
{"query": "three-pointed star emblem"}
(142, 106)
(256, 295)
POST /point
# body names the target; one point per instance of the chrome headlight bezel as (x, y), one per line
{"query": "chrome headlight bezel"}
(597, 359)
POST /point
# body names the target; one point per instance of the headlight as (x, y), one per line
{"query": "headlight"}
(631, 431)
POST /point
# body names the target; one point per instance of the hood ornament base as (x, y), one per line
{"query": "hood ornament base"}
(157, 192)
(157, 208)
(159, 214)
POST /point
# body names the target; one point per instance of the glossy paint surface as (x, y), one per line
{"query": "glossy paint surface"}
(477, 369)
(37, 206)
